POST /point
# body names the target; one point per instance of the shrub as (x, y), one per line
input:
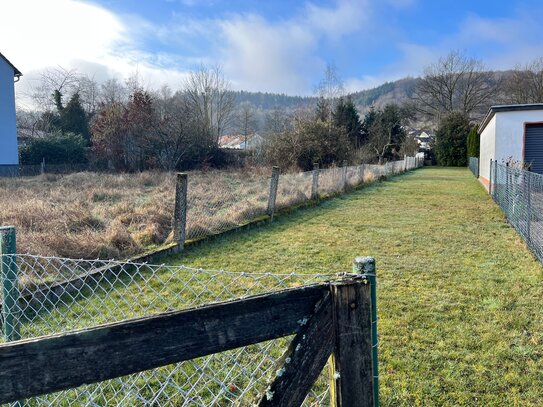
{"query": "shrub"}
(310, 141)
(473, 142)
(451, 140)
(57, 148)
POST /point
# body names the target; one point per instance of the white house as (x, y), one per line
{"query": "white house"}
(9, 157)
(511, 132)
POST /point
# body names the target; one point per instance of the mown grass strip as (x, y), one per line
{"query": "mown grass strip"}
(459, 294)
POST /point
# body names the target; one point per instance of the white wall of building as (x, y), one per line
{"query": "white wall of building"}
(8, 130)
(487, 150)
(503, 138)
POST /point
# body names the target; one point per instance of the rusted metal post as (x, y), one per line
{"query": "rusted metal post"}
(180, 211)
(273, 192)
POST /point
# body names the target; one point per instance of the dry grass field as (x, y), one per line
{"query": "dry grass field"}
(97, 215)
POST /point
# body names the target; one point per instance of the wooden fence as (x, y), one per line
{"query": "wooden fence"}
(332, 321)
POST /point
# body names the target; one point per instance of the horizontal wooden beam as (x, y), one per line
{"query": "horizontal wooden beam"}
(44, 365)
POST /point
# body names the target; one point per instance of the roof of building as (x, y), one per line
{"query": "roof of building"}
(16, 72)
(507, 108)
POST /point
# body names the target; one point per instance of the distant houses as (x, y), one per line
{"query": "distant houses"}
(237, 142)
(9, 154)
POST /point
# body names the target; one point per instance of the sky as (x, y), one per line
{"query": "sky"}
(264, 45)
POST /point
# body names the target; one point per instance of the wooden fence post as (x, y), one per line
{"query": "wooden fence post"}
(352, 374)
(273, 192)
(180, 211)
(404, 162)
(42, 166)
(10, 284)
(315, 184)
(366, 267)
(344, 175)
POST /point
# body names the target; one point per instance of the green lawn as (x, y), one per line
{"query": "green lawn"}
(460, 298)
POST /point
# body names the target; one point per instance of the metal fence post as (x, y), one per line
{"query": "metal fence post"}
(366, 267)
(273, 192)
(10, 284)
(490, 189)
(495, 177)
(528, 186)
(315, 184)
(344, 175)
(180, 211)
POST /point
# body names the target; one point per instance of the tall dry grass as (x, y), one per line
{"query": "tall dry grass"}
(95, 215)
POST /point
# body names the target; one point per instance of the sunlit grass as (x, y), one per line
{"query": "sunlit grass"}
(459, 295)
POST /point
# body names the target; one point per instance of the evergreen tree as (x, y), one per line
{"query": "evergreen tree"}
(322, 111)
(451, 140)
(73, 118)
(473, 142)
(346, 116)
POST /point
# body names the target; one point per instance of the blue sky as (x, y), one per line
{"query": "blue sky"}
(276, 46)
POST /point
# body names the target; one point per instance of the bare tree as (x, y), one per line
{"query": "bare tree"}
(246, 120)
(525, 84)
(210, 101)
(113, 91)
(54, 79)
(277, 121)
(329, 90)
(455, 83)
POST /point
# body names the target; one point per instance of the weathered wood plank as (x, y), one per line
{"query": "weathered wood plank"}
(304, 360)
(44, 365)
(353, 348)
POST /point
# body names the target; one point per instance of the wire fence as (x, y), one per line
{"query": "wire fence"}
(519, 193)
(48, 295)
(474, 166)
(97, 292)
(218, 205)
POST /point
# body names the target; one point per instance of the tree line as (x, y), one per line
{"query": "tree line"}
(126, 127)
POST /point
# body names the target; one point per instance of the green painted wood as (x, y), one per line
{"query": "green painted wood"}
(10, 286)
(39, 366)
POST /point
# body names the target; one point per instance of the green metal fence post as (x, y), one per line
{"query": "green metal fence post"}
(10, 286)
(366, 267)
(490, 189)
(495, 177)
(528, 186)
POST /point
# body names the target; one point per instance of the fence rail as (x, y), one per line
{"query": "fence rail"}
(146, 292)
(519, 193)
(474, 166)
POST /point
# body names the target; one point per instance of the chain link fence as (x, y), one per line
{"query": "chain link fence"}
(474, 166)
(216, 205)
(519, 193)
(58, 295)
